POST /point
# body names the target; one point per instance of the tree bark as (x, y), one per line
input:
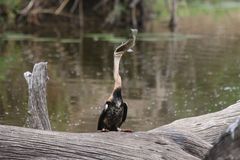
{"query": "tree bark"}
(185, 139)
(37, 101)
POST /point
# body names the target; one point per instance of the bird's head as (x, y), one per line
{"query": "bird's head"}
(127, 46)
(134, 32)
(122, 49)
(119, 53)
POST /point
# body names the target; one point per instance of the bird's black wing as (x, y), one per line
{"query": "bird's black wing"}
(125, 109)
(101, 124)
(100, 120)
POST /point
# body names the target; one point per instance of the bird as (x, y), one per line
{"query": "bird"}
(114, 111)
(128, 45)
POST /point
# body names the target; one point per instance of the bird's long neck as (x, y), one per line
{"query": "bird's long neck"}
(116, 94)
(117, 77)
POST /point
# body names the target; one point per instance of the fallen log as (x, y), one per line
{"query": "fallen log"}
(185, 139)
(208, 127)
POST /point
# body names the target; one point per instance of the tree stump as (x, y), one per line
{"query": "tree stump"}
(37, 102)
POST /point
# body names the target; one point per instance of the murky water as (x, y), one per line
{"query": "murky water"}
(191, 72)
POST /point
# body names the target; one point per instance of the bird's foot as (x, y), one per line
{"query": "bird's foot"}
(124, 130)
(104, 130)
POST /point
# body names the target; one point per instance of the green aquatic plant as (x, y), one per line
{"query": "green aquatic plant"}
(216, 9)
(11, 4)
(10, 36)
(154, 37)
(105, 37)
(191, 8)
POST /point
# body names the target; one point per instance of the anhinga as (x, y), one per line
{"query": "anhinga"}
(114, 112)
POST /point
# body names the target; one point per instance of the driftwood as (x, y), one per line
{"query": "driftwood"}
(37, 102)
(185, 139)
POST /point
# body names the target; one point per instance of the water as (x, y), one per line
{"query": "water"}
(171, 76)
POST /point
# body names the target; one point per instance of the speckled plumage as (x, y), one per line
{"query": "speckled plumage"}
(114, 113)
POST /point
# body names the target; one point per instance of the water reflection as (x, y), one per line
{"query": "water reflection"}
(171, 76)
